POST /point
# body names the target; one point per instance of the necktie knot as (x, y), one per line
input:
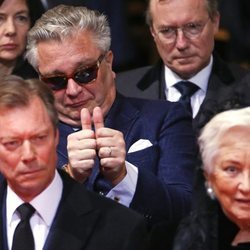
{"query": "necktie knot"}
(187, 89)
(25, 211)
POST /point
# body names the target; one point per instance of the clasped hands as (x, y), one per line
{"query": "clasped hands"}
(105, 143)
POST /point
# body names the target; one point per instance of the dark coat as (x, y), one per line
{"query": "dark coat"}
(148, 82)
(85, 220)
(165, 175)
(24, 69)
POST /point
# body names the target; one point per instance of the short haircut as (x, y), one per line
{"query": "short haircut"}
(209, 139)
(62, 22)
(212, 9)
(17, 92)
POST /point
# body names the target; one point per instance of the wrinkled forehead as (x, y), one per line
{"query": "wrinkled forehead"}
(178, 12)
(184, 4)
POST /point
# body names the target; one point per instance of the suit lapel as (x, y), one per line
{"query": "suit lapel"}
(122, 115)
(3, 234)
(219, 89)
(75, 220)
(153, 82)
(221, 78)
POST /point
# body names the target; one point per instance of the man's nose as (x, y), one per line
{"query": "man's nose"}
(73, 89)
(181, 40)
(28, 152)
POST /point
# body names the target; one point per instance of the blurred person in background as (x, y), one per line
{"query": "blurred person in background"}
(183, 32)
(16, 18)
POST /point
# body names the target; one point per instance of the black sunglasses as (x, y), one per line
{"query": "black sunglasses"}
(81, 77)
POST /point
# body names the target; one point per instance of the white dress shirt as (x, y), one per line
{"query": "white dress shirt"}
(124, 191)
(200, 79)
(46, 204)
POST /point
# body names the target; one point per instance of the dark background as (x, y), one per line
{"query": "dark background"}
(133, 45)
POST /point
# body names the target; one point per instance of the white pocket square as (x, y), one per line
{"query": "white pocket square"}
(139, 145)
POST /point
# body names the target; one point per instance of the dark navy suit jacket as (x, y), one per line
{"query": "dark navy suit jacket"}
(164, 187)
(85, 220)
(149, 82)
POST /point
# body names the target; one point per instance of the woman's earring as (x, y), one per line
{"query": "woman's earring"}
(210, 191)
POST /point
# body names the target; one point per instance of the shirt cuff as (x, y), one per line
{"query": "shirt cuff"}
(125, 190)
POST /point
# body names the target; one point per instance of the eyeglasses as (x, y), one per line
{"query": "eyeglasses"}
(190, 31)
(80, 76)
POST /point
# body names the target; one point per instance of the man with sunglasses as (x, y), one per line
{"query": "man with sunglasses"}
(183, 32)
(139, 153)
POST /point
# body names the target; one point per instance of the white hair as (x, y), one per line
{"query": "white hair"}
(213, 131)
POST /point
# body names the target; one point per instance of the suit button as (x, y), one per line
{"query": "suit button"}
(148, 216)
(117, 199)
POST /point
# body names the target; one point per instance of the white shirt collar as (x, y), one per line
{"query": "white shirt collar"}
(200, 79)
(46, 203)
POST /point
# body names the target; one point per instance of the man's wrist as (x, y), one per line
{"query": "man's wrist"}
(119, 178)
(76, 176)
(66, 168)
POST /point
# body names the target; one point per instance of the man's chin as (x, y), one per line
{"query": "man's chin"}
(72, 119)
(185, 71)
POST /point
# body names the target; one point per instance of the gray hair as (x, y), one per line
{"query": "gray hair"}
(212, 9)
(209, 139)
(64, 22)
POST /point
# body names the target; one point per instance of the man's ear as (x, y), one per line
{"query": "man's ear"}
(152, 31)
(109, 60)
(216, 22)
(109, 57)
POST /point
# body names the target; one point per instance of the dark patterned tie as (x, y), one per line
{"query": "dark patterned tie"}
(187, 89)
(23, 237)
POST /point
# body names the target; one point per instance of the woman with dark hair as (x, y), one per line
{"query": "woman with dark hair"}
(16, 18)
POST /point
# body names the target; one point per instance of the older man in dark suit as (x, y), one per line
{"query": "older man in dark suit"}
(140, 153)
(42, 208)
(183, 31)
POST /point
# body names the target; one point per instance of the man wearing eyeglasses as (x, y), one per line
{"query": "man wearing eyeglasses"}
(183, 32)
(137, 152)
